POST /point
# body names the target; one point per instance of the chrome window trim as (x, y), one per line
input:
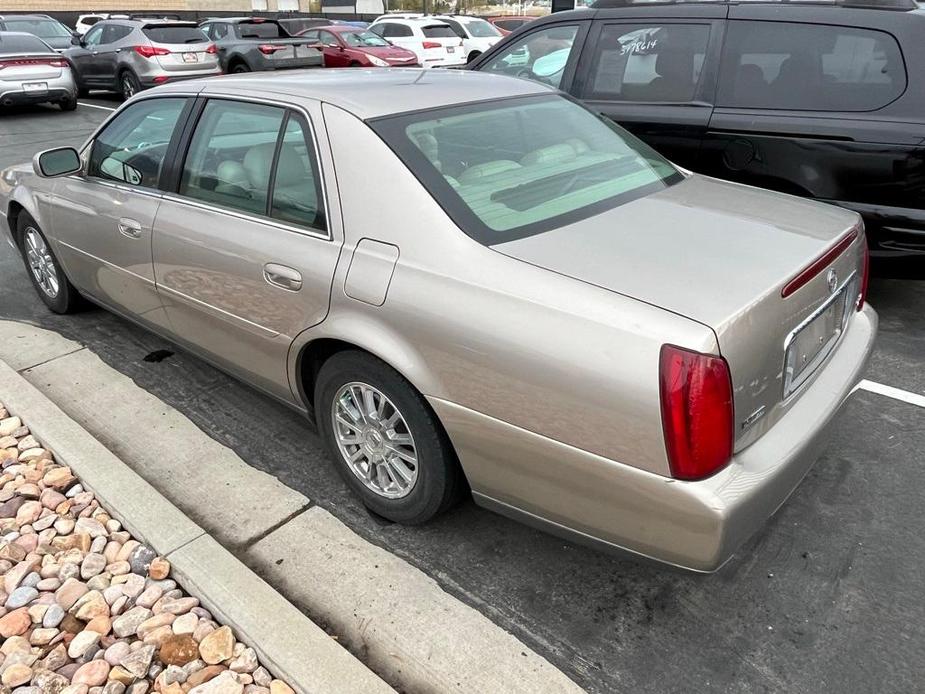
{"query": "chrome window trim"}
(843, 292)
(309, 231)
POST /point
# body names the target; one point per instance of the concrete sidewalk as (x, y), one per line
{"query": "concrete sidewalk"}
(396, 619)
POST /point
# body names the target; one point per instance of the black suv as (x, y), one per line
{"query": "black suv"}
(819, 100)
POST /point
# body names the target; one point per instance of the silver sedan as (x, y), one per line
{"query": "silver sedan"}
(471, 282)
(31, 72)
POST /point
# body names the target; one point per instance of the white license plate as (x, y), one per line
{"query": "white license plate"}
(35, 86)
(450, 49)
(190, 57)
(811, 342)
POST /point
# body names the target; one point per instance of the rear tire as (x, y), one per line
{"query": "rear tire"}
(240, 68)
(43, 268)
(129, 85)
(473, 55)
(83, 93)
(69, 104)
(403, 426)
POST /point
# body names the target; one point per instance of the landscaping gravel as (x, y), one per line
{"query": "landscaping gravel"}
(87, 609)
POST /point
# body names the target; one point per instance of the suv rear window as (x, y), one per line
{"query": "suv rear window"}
(809, 67)
(439, 31)
(175, 34)
(260, 30)
(508, 170)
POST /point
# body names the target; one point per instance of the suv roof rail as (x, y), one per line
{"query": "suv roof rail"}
(901, 5)
(155, 15)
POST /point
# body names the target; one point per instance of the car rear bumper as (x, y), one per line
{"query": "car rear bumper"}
(694, 525)
(155, 79)
(59, 88)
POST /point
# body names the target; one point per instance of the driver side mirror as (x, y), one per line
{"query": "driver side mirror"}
(76, 40)
(61, 161)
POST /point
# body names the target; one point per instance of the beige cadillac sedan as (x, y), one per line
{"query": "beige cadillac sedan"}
(471, 280)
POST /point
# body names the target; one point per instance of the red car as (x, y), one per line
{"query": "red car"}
(348, 46)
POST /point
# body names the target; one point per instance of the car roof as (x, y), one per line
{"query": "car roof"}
(373, 93)
(239, 20)
(412, 21)
(891, 5)
(6, 17)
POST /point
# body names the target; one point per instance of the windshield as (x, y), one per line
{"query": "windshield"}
(363, 39)
(481, 29)
(508, 170)
(43, 28)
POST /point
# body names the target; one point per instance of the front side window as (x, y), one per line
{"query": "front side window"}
(231, 154)
(327, 38)
(524, 166)
(132, 147)
(809, 67)
(540, 56)
(93, 37)
(648, 63)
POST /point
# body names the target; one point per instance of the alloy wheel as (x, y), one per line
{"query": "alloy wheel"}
(128, 87)
(41, 263)
(374, 440)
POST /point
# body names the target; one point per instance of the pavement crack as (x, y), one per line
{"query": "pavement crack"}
(48, 361)
(273, 528)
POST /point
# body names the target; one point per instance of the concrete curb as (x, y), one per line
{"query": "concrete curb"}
(291, 645)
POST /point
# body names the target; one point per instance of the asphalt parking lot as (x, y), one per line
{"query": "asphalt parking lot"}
(827, 597)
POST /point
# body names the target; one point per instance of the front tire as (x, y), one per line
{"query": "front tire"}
(386, 442)
(43, 268)
(129, 85)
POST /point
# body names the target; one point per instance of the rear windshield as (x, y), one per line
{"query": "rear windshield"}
(43, 28)
(513, 169)
(260, 30)
(11, 43)
(439, 31)
(175, 34)
(481, 29)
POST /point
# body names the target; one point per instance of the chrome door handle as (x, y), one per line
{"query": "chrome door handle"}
(130, 228)
(282, 276)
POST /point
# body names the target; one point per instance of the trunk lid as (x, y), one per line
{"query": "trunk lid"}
(721, 254)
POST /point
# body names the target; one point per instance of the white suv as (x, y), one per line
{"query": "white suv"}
(433, 41)
(477, 34)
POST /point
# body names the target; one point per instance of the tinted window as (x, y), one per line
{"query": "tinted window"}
(43, 28)
(132, 147)
(439, 31)
(11, 43)
(523, 166)
(541, 55)
(259, 30)
(115, 32)
(297, 185)
(231, 154)
(396, 30)
(509, 24)
(779, 65)
(636, 62)
(90, 21)
(454, 25)
(175, 34)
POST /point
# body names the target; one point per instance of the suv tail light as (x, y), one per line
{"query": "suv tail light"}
(29, 62)
(431, 44)
(150, 51)
(697, 412)
(269, 49)
(865, 274)
(212, 48)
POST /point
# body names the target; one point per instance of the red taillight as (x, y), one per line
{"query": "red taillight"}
(865, 274)
(160, 79)
(697, 412)
(431, 44)
(819, 264)
(29, 62)
(150, 51)
(212, 48)
(269, 49)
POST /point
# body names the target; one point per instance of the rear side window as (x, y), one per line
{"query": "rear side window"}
(648, 63)
(175, 34)
(439, 31)
(11, 44)
(260, 30)
(809, 67)
(395, 30)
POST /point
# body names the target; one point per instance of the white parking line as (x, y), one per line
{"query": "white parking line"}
(891, 392)
(105, 108)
